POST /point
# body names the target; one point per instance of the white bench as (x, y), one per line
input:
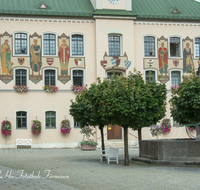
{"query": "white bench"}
(112, 155)
(24, 142)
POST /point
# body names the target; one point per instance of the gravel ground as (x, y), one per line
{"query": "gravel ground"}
(74, 169)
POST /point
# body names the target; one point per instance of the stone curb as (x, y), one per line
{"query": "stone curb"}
(163, 162)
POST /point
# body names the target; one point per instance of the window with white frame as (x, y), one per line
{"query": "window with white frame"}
(77, 124)
(175, 77)
(114, 45)
(49, 44)
(50, 77)
(149, 46)
(50, 119)
(21, 77)
(175, 47)
(20, 43)
(150, 76)
(197, 47)
(77, 45)
(21, 120)
(78, 77)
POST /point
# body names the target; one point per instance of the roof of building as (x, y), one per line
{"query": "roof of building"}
(81, 8)
(142, 9)
(162, 9)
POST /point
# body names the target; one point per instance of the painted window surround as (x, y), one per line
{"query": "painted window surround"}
(13, 49)
(27, 119)
(116, 33)
(72, 82)
(156, 74)
(175, 70)
(84, 42)
(56, 44)
(181, 49)
(156, 47)
(195, 57)
(43, 75)
(57, 126)
(27, 76)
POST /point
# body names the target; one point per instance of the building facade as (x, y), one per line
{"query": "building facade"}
(68, 42)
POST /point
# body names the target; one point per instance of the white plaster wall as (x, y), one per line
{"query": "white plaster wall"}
(120, 5)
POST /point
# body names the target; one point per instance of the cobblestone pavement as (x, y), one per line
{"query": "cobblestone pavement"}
(73, 169)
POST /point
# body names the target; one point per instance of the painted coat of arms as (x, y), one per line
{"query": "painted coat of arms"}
(115, 62)
(77, 61)
(103, 63)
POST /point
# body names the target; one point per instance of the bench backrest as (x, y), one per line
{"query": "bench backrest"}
(113, 151)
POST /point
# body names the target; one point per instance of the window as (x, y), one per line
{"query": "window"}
(175, 50)
(20, 43)
(21, 77)
(110, 74)
(77, 124)
(21, 119)
(114, 45)
(49, 44)
(77, 45)
(150, 76)
(175, 77)
(50, 119)
(149, 46)
(78, 77)
(197, 47)
(50, 78)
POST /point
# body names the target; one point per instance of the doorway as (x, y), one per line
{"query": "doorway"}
(114, 132)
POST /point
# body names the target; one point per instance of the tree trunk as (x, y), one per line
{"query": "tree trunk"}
(139, 139)
(126, 155)
(102, 140)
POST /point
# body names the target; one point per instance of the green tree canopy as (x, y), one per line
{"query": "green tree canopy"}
(129, 102)
(185, 101)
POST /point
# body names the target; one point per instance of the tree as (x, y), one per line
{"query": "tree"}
(82, 111)
(130, 103)
(185, 101)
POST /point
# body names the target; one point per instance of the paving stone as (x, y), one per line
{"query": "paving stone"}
(86, 172)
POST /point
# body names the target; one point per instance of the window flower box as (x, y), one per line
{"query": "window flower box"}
(50, 88)
(20, 89)
(78, 88)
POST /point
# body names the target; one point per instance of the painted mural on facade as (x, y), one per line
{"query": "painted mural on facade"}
(163, 63)
(36, 61)
(6, 56)
(188, 62)
(64, 56)
(117, 62)
(35, 57)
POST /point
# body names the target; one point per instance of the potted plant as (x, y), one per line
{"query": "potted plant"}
(36, 127)
(6, 128)
(89, 144)
(166, 126)
(20, 89)
(50, 88)
(65, 126)
(156, 130)
(78, 88)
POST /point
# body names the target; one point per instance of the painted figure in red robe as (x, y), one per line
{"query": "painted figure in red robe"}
(64, 57)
